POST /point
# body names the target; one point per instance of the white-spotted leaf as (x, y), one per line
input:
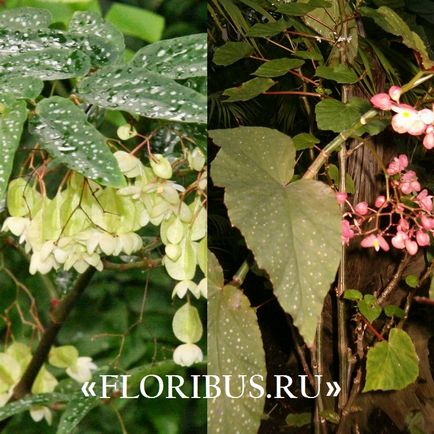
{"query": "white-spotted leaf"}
(25, 18)
(63, 131)
(234, 349)
(392, 364)
(13, 114)
(176, 58)
(139, 91)
(293, 228)
(21, 87)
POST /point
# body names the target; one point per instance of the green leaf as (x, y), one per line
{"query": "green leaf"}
(334, 115)
(298, 419)
(392, 364)
(138, 91)
(65, 133)
(352, 294)
(339, 73)
(14, 42)
(25, 18)
(369, 307)
(304, 141)
(13, 114)
(177, 58)
(412, 281)
(293, 228)
(234, 348)
(392, 23)
(91, 23)
(28, 402)
(231, 52)
(267, 30)
(21, 87)
(302, 8)
(309, 55)
(249, 89)
(393, 311)
(277, 67)
(136, 22)
(48, 64)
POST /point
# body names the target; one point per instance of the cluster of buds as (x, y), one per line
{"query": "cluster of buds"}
(407, 119)
(407, 210)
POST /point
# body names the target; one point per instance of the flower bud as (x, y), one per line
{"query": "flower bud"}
(161, 166)
(380, 201)
(186, 324)
(187, 355)
(126, 132)
(361, 208)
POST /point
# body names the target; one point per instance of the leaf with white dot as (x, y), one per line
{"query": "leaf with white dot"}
(139, 91)
(21, 87)
(91, 23)
(292, 228)
(48, 64)
(25, 18)
(177, 58)
(13, 114)
(234, 349)
(63, 130)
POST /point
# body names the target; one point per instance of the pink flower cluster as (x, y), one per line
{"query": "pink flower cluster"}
(405, 219)
(407, 119)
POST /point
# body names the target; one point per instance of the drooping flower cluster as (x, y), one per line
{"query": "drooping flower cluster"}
(407, 119)
(16, 358)
(404, 219)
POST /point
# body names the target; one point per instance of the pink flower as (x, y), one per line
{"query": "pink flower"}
(398, 241)
(417, 128)
(427, 222)
(424, 201)
(395, 93)
(428, 141)
(403, 225)
(375, 241)
(409, 183)
(406, 118)
(382, 101)
(397, 165)
(346, 232)
(380, 201)
(426, 116)
(411, 247)
(422, 238)
(341, 197)
(361, 208)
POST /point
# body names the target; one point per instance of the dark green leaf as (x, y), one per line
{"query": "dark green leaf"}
(255, 165)
(393, 311)
(21, 87)
(13, 114)
(277, 67)
(176, 58)
(298, 420)
(393, 364)
(352, 294)
(25, 18)
(249, 89)
(369, 307)
(136, 22)
(231, 52)
(268, 29)
(63, 130)
(48, 64)
(309, 55)
(412, 281)
(136, 90)
(304, 141)
(339, 73)
(302, 8)
(334, 115)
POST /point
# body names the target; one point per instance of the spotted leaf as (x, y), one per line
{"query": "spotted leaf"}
(63, 130)
(48, 64)
(234, 349)
(15, 42)
(293, 228)
(177, 58)
(21, 87)
(13, 114)
(91, 23)
(146, 93)
(25, 18)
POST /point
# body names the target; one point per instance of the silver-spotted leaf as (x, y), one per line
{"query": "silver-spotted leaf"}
(392, 364)
(13, 114)
(63, 131)
(21, 87)
(25, 18)
(91, 23)
(139, 91)
(48, 64)
(234, 349)
(293, 228)
(14, 42)
(176, 58)
(75, 412)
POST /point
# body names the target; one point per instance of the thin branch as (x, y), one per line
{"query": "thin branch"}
(394, 280)
(145, 264)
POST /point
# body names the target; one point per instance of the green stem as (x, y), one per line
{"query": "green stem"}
(241, 274)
